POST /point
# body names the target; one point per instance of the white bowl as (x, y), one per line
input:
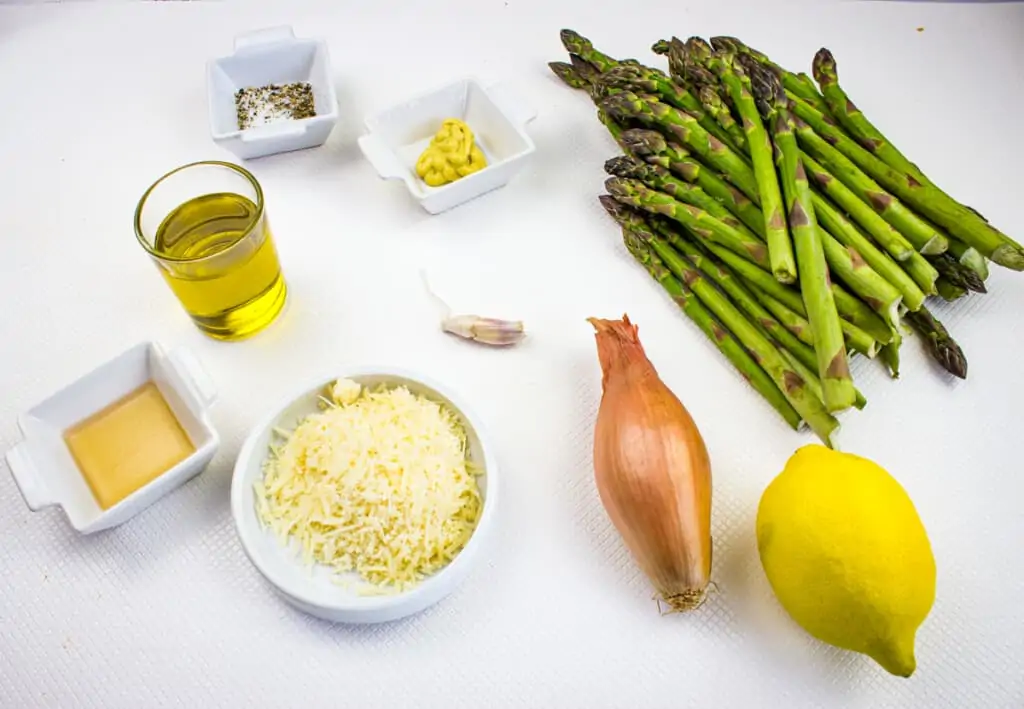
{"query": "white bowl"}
(44, 468)
(497, 117)
(271, 56)
(316, 590)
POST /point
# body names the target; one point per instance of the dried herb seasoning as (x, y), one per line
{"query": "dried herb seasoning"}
(263, 105)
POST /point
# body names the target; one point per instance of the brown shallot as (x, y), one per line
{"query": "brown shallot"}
(652, 469)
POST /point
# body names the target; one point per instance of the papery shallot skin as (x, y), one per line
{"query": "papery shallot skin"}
(652, 469)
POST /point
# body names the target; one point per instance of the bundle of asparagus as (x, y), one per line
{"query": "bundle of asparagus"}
(780, 219)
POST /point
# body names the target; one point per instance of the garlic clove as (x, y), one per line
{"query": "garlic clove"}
(488, 331)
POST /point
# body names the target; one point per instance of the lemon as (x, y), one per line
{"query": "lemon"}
(847, 555)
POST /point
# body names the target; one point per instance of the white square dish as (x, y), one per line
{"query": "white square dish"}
(497, 117)
(271, 56)
(43, 467)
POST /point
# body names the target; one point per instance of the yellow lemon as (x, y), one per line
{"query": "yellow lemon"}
(847, 555)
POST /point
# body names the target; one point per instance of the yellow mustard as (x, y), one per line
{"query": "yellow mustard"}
(452, 154)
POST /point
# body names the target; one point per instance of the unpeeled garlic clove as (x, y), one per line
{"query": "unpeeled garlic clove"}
(488, 331)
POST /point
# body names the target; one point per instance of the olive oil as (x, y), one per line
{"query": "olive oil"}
(126, 445)
(218, 256)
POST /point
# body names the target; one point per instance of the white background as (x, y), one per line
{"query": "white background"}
(100, 99)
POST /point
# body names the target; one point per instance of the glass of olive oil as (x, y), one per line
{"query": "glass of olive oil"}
(205, 227)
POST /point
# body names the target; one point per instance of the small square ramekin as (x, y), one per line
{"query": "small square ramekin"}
(271, 56)
(43, 467)
(497, 117)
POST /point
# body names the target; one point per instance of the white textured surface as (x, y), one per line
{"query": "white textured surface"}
(99, 99)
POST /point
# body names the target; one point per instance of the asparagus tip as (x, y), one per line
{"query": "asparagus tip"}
(824, 67)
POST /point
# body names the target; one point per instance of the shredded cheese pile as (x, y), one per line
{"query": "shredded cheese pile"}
(377, 483)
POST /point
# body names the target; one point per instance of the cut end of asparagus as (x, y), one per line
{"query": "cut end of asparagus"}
(1009, 256)
(938, 244)
(824, 68)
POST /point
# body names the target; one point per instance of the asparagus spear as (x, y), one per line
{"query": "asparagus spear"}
(641, 79)
(856, 337)
(687, 60)
(579, 45)
(718, 335)
(794, 322)
(627, 106)
(651, 146)
(940, 344)
(636, 221)
(851, 237)
(636, 194)
(782, 373)
(957, 273)
(962, 222)
(797, 84)
(780, 246)
(894, 243)
(857, 125)
(568, 74)
(811, 246)
(949, 291)
(890, 354)
(740, 296)
(716, 108)
(969, 257)
(925, 238)
(659, 178)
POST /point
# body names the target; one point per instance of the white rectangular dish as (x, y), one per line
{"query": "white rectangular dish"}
(497, 117)
(43, 467)
(271, 56)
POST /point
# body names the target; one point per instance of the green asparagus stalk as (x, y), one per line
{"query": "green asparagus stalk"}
(797, 84)
(659, 178)
(942, 347)
(957, 273)
(872, 140)
(636, 221)
(780, 245)
(651, 146)
(740, 296)
(579, 45)
(637, 195)
(628, 106)
(933, 204)
(925, 238)
(645, 80)
(811, 248)
(848, 266)
(568, 74)
(713, 105)
(969, 257)
(689, 61)
(716, 334)
(847, 234)
(795, 323)
(782, 373)
(890, 354)
(587, 71)
(894, 243)
(614, 127)
(857, 338)
(949, 291)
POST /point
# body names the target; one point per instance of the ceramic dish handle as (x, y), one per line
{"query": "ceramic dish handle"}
(32, 488)
(199, 383)
(512, 103)
(268, 35)
(382, 158)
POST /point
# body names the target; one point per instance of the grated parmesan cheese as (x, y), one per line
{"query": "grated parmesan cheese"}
(377, 483)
